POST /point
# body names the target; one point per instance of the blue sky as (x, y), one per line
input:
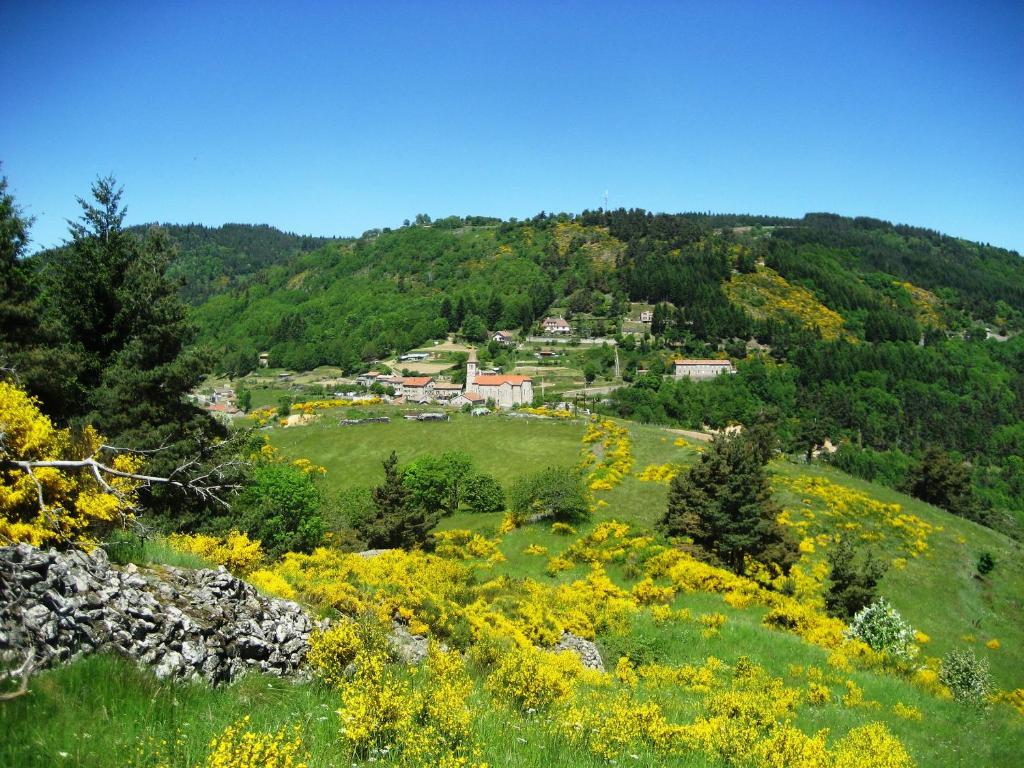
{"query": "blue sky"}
(333, 118)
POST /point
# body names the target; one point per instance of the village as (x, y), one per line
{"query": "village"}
(424, 377)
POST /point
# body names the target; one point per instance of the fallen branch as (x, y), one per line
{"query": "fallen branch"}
(26, 670)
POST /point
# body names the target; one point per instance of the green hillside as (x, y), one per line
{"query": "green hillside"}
(678, 659)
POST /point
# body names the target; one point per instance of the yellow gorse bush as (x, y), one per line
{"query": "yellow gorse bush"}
(55, 505)
(236, 551)
(607, 454)
(239, 747)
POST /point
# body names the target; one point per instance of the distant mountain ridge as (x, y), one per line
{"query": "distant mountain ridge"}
(214, 259)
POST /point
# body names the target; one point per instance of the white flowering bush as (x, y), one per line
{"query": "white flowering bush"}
(883, 628)
(965, 675)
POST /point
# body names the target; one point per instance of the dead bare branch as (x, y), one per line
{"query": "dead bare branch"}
(24, 672)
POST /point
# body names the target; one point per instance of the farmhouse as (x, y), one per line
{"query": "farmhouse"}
(702, 369)
(446, 392)
(503, 337)
(504, 391)
(468, 398)
(414, 356)
(556, 325)
(418, 389)
(646, 316)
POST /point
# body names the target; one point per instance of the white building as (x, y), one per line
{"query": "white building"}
(418, 389)
(556, 325)
(646, 316)
(503, 337)
(503, 391)
(702, 369)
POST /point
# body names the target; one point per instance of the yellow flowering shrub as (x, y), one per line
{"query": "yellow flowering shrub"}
(272, 583)
(310, 407)
(844, 509)
(607, 454)
(659, 473)
(765, 294)
(461, 544)
(236, 551)
(531, 679)
(906, 711)
(239, 747)
(550, 413)
(871, 746)
(56, 505)
(332, 650)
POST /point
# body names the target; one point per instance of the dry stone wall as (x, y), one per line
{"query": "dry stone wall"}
(184, 623)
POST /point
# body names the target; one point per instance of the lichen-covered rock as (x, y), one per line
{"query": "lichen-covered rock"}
(185, 623)
(585, 649)
(409, 648)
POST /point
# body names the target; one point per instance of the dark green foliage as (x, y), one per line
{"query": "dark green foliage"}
(853, 579)
(946, 483)
(437, 483)
(723, 504)
(484, 494)
(281, 508)
(284, 406)
(556, 493)
(395, 520)
(213, 259)
(18, 319)
(986, 563)
(244, 400)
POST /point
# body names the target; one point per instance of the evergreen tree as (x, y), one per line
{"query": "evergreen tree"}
(853, 580)
(943, 482)
(20, 334)
(396, 520)
(724, 505)
(125, 364)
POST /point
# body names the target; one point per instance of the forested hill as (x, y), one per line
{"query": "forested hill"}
(214, 259)
(723, 278)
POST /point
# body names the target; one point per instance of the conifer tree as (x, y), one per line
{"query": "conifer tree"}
(397, 521)
(724, 505)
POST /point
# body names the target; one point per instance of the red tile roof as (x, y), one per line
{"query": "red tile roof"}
(495, 381)
(473, 397)
(417, 381)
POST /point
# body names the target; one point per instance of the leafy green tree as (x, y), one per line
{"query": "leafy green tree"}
(853, 579)
(437, 482)
(281, 508)
(484, 494)
(245, 399)
(724, 505)
(396, 520)
(473, 328)
(555, 492)
(284, 406)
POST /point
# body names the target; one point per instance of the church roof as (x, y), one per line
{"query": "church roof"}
(496, 381)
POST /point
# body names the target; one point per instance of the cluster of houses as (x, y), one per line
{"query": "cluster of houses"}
(481, 387)
(220, 401)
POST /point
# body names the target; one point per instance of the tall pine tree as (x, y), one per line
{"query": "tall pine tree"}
(724, 505)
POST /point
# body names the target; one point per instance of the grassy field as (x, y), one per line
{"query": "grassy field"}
(104, 712)
(939, 592)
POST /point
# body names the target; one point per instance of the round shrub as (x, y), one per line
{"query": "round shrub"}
(881, 627)
(965, 675)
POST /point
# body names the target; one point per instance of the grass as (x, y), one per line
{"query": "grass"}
(500, 446)
(98, 711)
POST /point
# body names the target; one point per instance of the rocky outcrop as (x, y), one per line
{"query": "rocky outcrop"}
(405, 646)
(184, 623)
(585, 649)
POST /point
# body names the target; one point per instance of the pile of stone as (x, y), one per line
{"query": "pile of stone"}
(588, 652)
(184, 623)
